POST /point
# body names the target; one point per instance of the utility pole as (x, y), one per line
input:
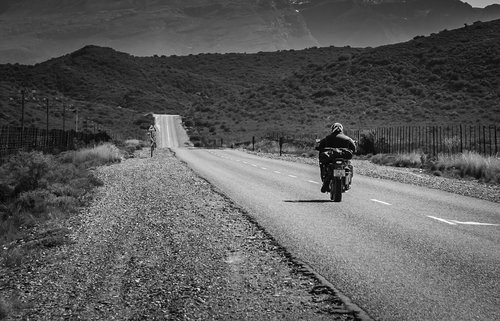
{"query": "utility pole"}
(47, 122)
(76, 120)
(22, 111)
(64, 117)
(22, 117)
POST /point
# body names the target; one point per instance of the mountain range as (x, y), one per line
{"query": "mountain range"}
(34, 31)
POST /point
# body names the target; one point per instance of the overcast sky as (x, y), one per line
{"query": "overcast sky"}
(481, 3)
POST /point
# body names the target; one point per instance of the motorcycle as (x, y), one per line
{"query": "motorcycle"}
(339, 171)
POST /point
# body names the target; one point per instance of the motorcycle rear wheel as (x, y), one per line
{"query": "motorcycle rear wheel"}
(336, 189)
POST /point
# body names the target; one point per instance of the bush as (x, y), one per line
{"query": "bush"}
(24, 172)
(97, 156)
(398, 160)
(471, 164)
(366, 144)
(35, 187)
(4, 309)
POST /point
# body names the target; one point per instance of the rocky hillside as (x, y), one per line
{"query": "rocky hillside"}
(36, 31)
(33, 32)
(373, 23)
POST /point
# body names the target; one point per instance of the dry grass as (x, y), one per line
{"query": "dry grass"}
(471, 164)
(102, 154)
(468, 164)
(399, 160)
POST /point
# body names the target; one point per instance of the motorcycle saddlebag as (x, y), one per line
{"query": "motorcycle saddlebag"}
(331, 155)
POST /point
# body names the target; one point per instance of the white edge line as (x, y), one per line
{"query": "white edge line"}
(374, 200)
(277, 172)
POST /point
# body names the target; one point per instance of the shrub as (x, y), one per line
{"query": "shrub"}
(366, 143)
(34, 187)
(472, 164)
(4, 309)
(100, 155)
(398, 160)
(408, 160)
(34, 202)
(24, 172)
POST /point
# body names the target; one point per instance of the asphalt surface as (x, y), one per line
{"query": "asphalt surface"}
(400, 252)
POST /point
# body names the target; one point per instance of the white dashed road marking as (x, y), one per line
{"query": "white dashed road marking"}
(313, 182)
(374, 200)
(292, 176)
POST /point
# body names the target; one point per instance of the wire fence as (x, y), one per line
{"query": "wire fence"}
(432, 140)
(14, 139)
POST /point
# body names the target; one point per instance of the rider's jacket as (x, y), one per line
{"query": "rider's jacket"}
(337, 140)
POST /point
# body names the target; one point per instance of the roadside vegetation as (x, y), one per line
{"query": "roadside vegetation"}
(37, 187)
(463, 165)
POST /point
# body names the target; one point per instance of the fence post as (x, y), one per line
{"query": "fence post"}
(281, 145)
(253, 143)
(484, 140)
(496, 143)
(461, 140)
(410, 132)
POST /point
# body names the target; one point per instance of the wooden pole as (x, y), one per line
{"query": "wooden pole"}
(461, 140)
(64, 117)
(47, 123)
(484, 140)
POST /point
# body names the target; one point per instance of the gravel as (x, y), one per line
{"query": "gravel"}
(415, 176)
(159, 243)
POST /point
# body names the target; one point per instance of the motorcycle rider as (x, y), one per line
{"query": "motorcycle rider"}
(336, 139)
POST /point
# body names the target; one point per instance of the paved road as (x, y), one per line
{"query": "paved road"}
(400, 252)
(170, 133)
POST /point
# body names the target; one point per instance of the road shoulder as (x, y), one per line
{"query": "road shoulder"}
(158, 242)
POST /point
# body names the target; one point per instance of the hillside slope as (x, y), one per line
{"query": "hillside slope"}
(113, 88)
(450, 77)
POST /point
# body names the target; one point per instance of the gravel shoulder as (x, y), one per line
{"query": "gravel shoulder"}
(159, 243)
